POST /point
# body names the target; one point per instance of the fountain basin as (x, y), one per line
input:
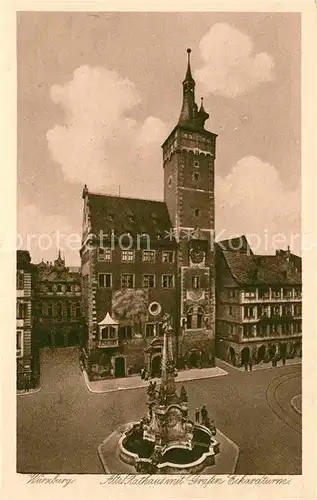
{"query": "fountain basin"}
(137, 451)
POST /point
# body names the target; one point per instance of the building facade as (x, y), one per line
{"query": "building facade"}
(259, 304)
(25, 353)
(58, 318)
(144, 259)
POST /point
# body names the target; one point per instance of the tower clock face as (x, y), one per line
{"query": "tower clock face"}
(197, 255)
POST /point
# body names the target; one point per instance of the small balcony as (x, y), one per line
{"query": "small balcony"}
(250, 319)
(104, 343)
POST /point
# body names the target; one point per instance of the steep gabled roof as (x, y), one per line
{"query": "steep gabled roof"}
(129, 215)
(262, 269)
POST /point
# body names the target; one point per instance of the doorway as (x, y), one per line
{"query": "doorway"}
(245, 356)
(119, 367)
(261, 353)
(193, 360)
(156, 366)
(232, 355)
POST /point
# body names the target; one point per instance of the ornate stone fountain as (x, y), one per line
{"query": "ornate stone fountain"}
(166, 441)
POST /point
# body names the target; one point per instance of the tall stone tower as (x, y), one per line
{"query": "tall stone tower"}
(188, 162)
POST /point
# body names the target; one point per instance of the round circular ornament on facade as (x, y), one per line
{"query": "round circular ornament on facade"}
(155, 308)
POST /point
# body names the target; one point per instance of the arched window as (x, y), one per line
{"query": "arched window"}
(78, 310)
(200, 316)
(189, 319)
(59, 310)
(195, 318)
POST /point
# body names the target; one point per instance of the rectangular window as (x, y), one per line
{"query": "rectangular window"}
(59, 288)
(249, 312)
(287, 310)
(68, 288)
(297, 310)
(19, 343)
(167, 256)
(288, 293)
(49, 288)
(231, 294)
(20, 280)
(263, 311)
(264, 293)
(298, 293)
(127, 280)
(108, 332)
(160, 329)
(105, 280)
(263, 330)
(21, 310)
(230, 310)
(125, 332)
(275, 311)
(50, 310)
(167, 281)
(276, 293)
(105, 254)
(247, 331)
(196, 282)
(148, 281)
(149, 330)
(127, 256)
(250, 293)
(148, 256)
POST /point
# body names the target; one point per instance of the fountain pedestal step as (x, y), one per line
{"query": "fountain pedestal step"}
(109, 453)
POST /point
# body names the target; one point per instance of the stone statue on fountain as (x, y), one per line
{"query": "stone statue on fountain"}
(168, 412)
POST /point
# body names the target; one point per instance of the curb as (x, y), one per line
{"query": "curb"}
(294, 406)
(144, 386)
(235, 446)
(29, 393)
(242, 370)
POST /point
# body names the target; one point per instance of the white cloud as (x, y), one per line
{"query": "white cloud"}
(43, 235)
(99, 143)
(231, 67)
(252, 199)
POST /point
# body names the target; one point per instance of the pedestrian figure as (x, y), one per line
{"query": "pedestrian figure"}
(26, 383)
(197, 415)
(142, 373)
(284, 360)
(246, 366)
(250, 365)
(204, 414)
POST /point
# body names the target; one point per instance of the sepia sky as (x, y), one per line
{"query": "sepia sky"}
(99, 92)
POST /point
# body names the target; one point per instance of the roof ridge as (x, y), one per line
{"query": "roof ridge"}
(108, 195)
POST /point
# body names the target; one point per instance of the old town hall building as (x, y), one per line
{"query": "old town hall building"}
(142, 260)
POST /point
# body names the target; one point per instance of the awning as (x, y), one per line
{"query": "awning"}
(108, 321)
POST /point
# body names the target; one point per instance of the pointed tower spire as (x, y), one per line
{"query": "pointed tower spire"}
(189, 107)
(188, 72)
(202, 115)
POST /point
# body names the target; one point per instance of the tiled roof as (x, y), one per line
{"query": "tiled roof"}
(129, 215)
(262, 269)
